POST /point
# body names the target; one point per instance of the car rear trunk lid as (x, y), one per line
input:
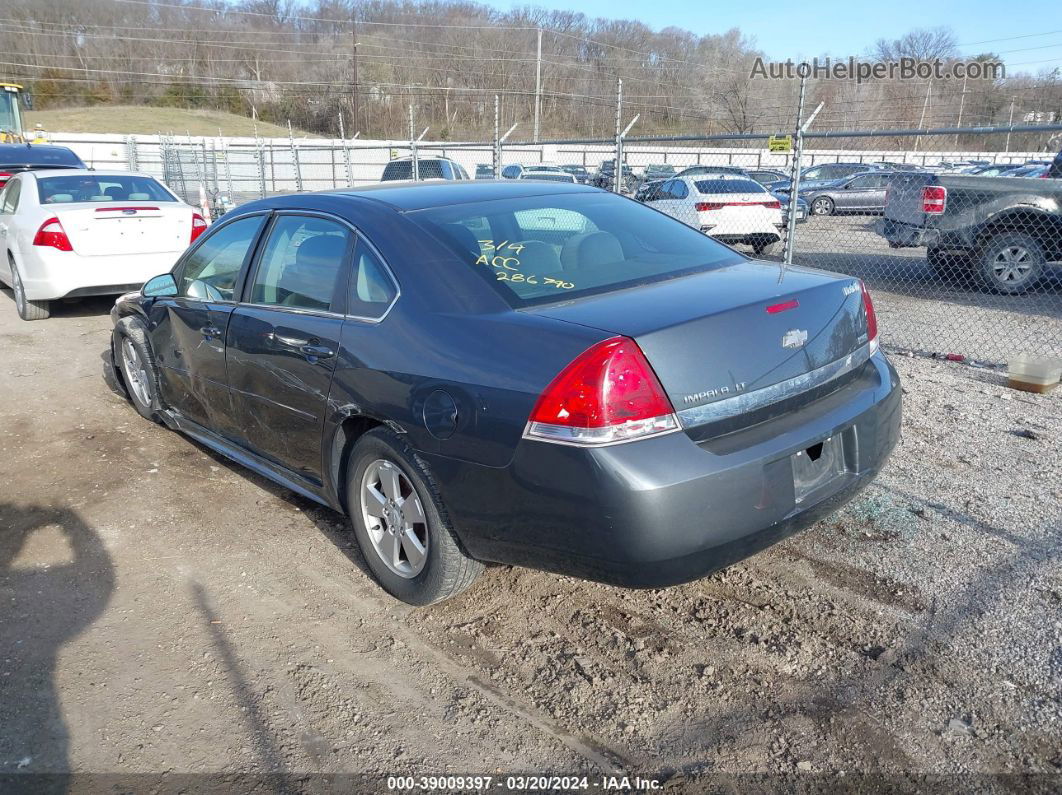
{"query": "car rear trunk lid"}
(110, 228)
(735, 332)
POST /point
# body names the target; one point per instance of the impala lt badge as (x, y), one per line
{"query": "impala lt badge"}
(794, 338)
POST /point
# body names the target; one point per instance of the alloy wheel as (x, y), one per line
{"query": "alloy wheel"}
(136, 375)
(821, 207)
(1012, 265)
(394, 518)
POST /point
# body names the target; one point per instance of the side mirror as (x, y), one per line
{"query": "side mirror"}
(160, 286)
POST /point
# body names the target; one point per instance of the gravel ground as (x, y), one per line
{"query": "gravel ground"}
(163, 611)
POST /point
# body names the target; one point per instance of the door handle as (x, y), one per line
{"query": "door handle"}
(317, 351)
(210, 331)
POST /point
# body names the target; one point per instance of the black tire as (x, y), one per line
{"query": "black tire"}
(27, 309)
(147, 402)
(448, 570)
(822, 205)
(1002, 276)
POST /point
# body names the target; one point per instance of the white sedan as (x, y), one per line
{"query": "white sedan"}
(72, 233)
(729, 207)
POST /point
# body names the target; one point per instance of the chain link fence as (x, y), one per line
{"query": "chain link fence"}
(958, 262)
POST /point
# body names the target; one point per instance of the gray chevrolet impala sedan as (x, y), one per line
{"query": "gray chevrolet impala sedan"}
(522, 372)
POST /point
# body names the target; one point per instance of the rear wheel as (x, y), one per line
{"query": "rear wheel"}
(27, 309)
(1010, 263)
(400, 523)
(823, 205)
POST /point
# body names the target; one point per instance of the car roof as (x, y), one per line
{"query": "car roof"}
(32, 154)
(403, 195)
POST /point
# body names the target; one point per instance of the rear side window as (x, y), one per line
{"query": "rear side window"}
(539, 249)
(729, 186)
(303, 262)
(211, 271)
(371, 289)
(99, 188)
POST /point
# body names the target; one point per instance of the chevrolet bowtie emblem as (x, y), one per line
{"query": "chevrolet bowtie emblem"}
(794, 338)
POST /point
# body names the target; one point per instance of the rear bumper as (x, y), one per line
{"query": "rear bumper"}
(901, 235)
(667, 510)
(48, 274)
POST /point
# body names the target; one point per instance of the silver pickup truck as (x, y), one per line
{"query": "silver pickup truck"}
(1007, 230)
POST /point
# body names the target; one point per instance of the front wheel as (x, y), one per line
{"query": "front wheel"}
(1010, 263)
(135, 360)
(823, 205)
(27, 309)
(400, 523)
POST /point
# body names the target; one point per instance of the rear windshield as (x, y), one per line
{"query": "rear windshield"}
(101, 188)
(729, 186)
(426, 169)
(540, 249)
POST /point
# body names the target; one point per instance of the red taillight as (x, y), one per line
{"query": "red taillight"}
(52, 234)
(4, 177)
(199, 226)
(775, 205)
(872, 319)
(934, 197)
(609, 393)
(703, 207)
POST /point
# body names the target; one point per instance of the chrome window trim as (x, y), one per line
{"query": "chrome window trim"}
(359, 236)
(751, 401)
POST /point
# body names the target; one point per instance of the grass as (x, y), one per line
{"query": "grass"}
(146, 120)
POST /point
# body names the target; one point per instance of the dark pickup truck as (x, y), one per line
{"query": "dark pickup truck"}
(1007, 230)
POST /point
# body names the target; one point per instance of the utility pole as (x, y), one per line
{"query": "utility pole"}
(962, 101)
(1010, 123)
(538, 84)
(922, 119)
(354, 72)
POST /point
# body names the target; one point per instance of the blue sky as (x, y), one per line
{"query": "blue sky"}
(831, 27)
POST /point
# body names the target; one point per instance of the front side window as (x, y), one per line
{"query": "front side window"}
(511, 172)
(211, 271)
(302, 263)
(538, 249)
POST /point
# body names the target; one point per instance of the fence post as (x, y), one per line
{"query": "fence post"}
(131, 153)
(295, 159)
(413, 145)
(346, 152)
(497, 137)
(261, 161)
(617, 176)
(794, 182)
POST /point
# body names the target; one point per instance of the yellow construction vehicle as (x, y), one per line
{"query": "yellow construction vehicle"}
(11, 114)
